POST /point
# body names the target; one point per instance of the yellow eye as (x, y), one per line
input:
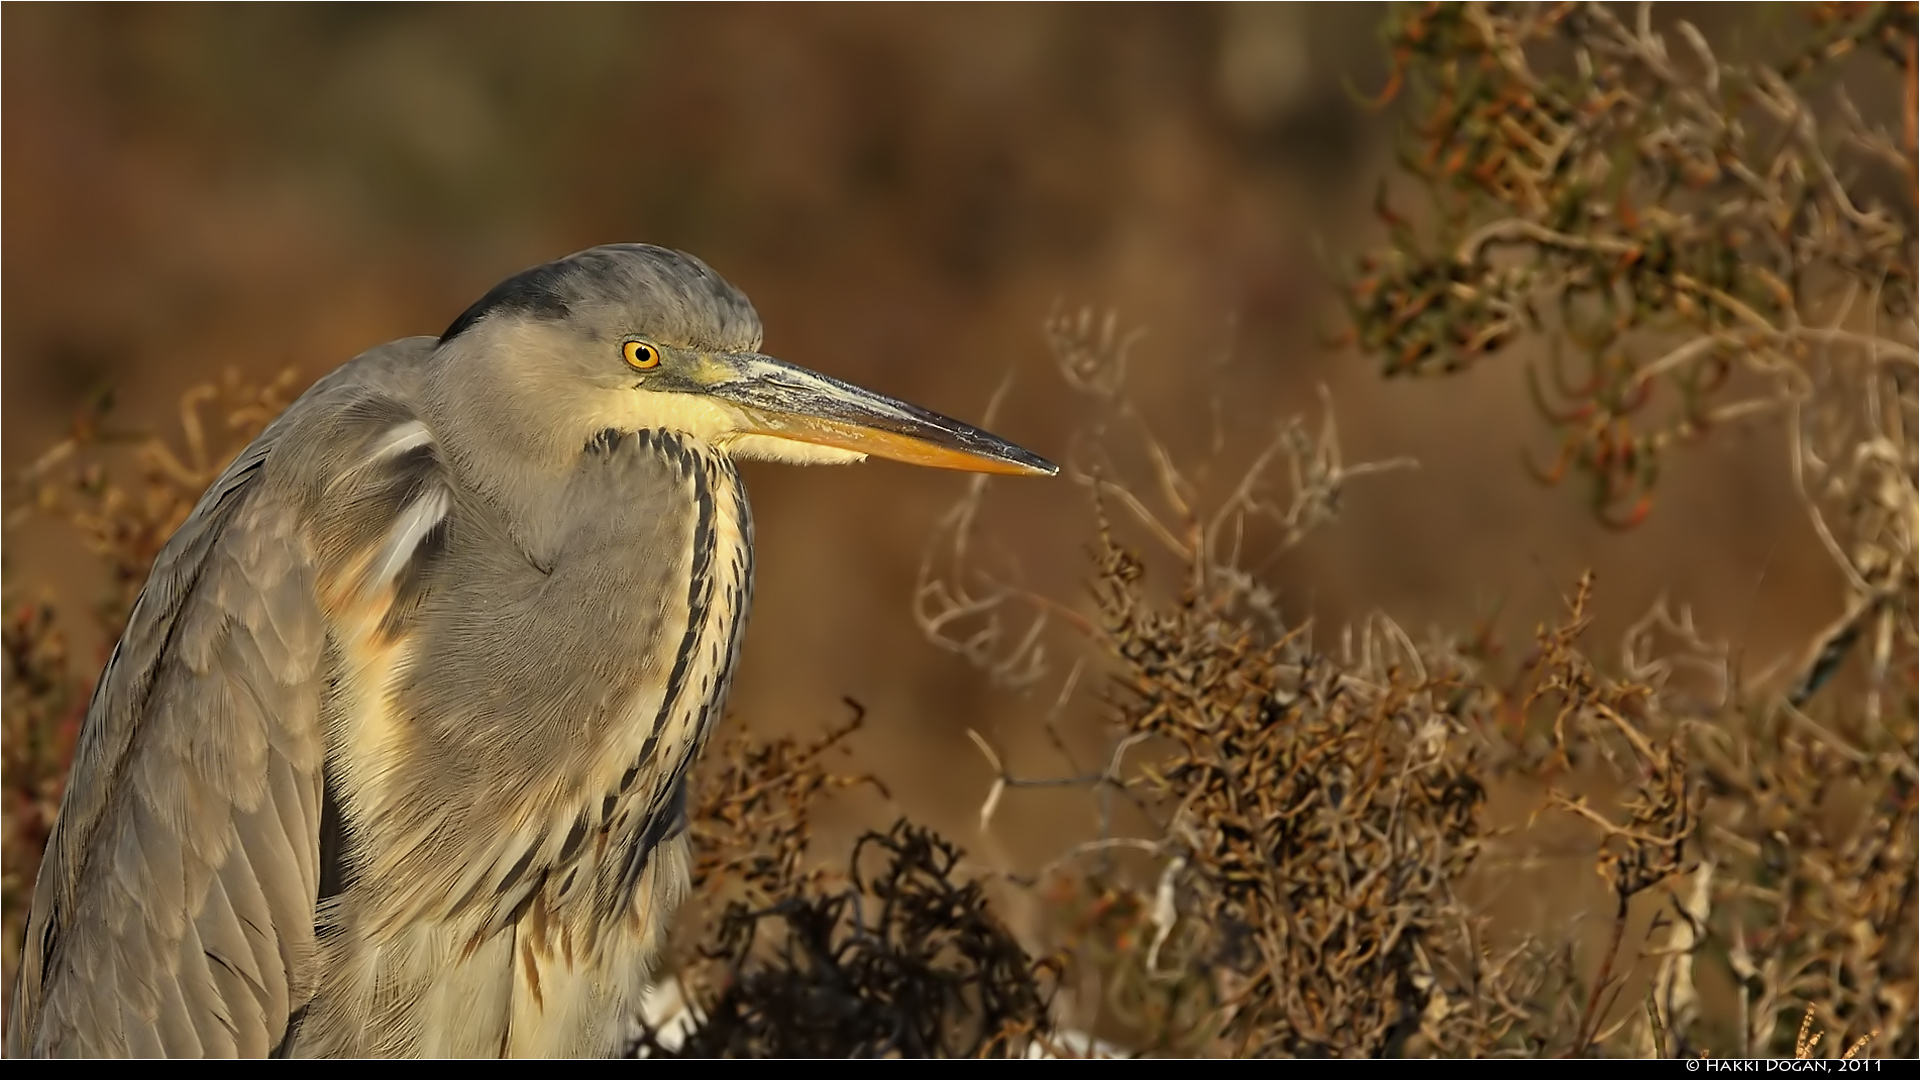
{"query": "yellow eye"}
(641, 355)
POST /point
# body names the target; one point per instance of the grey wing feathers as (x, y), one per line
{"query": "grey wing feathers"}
(174, 912)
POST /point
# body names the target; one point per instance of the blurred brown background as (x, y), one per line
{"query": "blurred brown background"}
(905, 192)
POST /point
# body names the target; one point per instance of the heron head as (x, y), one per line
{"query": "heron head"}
(631, 337)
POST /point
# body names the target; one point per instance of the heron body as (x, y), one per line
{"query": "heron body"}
(391, 758)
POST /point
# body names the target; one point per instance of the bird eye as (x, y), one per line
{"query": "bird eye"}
(641, 355)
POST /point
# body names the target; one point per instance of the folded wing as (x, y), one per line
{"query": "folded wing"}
(174, 912)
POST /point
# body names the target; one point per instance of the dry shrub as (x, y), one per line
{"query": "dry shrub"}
(1322, 812)
(1700, 242)
(901, 961)
(898, 957)
(1714, 249)
(1696, 242)
(1691, 243)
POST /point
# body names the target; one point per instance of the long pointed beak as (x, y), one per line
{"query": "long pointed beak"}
(789, 402)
